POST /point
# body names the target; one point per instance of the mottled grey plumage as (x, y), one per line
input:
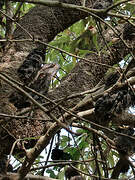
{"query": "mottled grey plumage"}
(40, 83)
(31, 65)
(115, 103)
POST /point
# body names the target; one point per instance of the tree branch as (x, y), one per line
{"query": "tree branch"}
(14, 176)
(81, 8)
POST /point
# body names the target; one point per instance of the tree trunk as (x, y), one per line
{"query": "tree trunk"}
(44, 23)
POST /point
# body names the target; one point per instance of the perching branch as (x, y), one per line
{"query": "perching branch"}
(14, 176)
(82, 8)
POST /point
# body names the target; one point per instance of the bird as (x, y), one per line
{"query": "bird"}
(31, 65)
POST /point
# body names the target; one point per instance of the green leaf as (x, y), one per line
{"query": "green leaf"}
(51, 172)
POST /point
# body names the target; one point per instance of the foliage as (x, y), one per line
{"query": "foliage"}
(80, 39)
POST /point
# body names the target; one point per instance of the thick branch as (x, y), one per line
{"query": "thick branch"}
(46, 23)
(13, 176)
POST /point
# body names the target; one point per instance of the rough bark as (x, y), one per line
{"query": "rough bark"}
(45, 23)
(13, 176)
(44, 26)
